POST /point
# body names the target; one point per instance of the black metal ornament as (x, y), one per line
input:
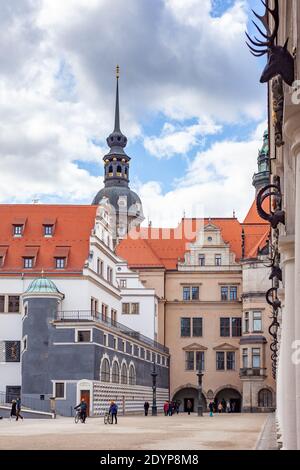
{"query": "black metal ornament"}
(280, 60)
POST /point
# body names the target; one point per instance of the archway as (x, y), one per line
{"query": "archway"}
(232, 396)
(189, 394)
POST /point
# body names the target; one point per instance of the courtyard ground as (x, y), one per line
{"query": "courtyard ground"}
(226, 431)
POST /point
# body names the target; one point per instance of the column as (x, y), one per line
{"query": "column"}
(287, 382)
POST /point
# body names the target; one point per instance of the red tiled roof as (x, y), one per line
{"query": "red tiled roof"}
(73, 225)
(158, 248)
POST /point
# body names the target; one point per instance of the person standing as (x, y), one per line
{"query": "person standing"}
(113, 410)
(166, 408)
(228, 407)
(189, 407)
(211, 409)
(177, 406)
(223, 405)
(146, 407)
(18, 409)
(170, 409)
(220, 407)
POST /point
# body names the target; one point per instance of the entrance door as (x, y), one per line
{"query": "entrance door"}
(186, 402)
(86, 395)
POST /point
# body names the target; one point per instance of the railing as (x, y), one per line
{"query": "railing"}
(88, 315)
(252, 372)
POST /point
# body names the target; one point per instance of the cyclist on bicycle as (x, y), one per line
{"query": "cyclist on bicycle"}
(113, 411)
(83, 409)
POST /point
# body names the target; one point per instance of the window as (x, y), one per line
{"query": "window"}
(104, 340)
(230, 360)
(115, 373)
(124, 377)
(123, 283)
(48, 230)
(191, 293)
(125, 309)
(246, 323)
(189, 360)
(18, 230)
(224, 293)
(109, 274)
(99, 267)
(59, 390)
(257, 322)
(132, 376)
(1, 261)
(10, 351)
(201, 260)
(2, 303)
(233, 293)
(220, 361)
(113, 317)
(197, 327)
(236, 324)
(200, 360)
(186, 293)
(104, 310)
(28, 263)
(245, 358)
(105, 371)
(84, 336)
(135, 309)
(116, 343)
(218, 260)
(185, 327)
(256, 358)
(60, 263)
(195, 293)
(224, 327)
(265, 398)
(14, 304)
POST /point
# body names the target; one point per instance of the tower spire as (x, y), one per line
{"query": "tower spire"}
(117, 111)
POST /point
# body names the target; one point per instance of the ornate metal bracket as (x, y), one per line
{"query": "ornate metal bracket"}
(276, 217)
(278, 105)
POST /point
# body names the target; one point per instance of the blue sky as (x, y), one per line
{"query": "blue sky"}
(191, 103)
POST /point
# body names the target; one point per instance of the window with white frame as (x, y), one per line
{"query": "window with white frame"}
(257, 322)
(256, 358)
(28, 263)
(59, 388)
(123, 283)
(245, 358)
(84, 336)
(246, 322)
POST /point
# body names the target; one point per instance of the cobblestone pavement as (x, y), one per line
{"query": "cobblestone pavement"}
(226, 431)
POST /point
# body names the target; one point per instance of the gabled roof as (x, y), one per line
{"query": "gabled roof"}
(73, 225)
(165, 247)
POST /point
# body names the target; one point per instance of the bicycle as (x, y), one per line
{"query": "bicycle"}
(78, 417)
(108, 418)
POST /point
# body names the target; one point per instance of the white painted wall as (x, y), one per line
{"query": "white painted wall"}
(10, 330)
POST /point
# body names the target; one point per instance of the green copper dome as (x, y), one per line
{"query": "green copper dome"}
(42, 285)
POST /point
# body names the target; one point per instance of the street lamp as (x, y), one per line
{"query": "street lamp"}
(154, 375)
(200, 377)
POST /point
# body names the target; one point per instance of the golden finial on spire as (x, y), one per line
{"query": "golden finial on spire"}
(118, 71)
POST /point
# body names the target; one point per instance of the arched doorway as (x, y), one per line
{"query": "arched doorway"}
(232, 396)
(189, 394)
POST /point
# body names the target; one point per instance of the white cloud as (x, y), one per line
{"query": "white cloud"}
(217, 182)
(179, 140)
(56, 87)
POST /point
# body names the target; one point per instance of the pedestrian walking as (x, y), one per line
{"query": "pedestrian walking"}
(170, 409)
(146, 407)
(18, 409)
(220, 407)
(228, 407)
(166, 408)
(13, 411)
(211, 409)
(223, 405)
(113, 410)
(177, 407)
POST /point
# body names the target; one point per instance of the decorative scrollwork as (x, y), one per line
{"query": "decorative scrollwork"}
(276, 217)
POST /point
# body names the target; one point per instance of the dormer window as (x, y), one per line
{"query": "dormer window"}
(48, 230)
(29, 256)
(18, 230)
(18, 226)
(49, 226)
(28, 263)
(60, 263)
(61, 257)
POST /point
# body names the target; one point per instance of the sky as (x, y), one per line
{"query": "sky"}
(191, 103)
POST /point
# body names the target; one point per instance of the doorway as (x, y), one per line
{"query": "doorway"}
(86, 395)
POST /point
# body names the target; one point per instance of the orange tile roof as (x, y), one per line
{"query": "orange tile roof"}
(156, 248)
(72, 229)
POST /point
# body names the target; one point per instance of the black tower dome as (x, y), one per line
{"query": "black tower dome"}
(116, 177)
